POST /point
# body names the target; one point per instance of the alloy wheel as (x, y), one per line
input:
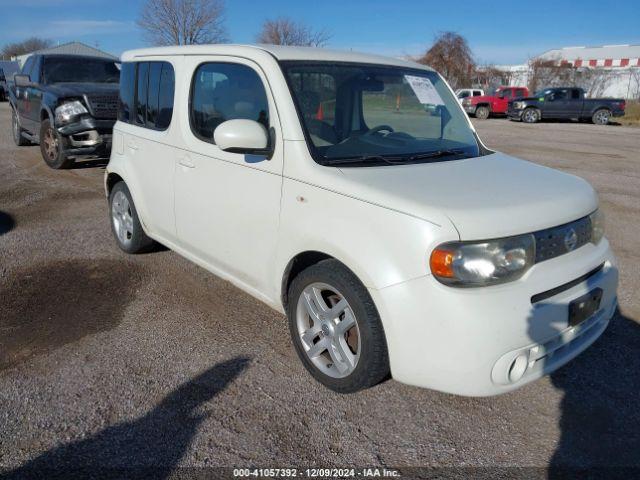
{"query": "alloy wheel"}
(602, 117)
(51, 144)
(122, 218)
(328, 330)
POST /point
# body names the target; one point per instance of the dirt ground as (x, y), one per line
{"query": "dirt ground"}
(109, 360)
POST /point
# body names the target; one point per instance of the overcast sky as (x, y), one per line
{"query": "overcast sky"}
(498, 32)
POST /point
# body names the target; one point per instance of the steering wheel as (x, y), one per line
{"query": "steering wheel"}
(379, 128)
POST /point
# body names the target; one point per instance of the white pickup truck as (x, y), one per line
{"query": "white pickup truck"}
(351, 193)
(463, 93)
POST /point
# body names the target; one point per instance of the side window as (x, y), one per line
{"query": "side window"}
(142, 80)
(165, 96)
(155, 70)
(520, 92)
(506, 93)
(225, 91)
(575, 94)
(146, 94)
(127, 92)
(464, 94)
(477, 93)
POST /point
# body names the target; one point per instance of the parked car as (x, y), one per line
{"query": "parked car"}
(7, 69)
(483, 107)
(66, 103)
(463, 93)
(394, 243)
(567, 103)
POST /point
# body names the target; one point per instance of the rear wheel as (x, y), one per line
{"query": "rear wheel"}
(16, 130)
(482, 112)
(52, 148)
(336, 329)
(125, 223)
(601, 117)
(530, 115)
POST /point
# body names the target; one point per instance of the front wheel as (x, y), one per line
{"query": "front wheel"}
(482, 113)
(601, 117)
(16, 130)
(52, 148)
(336, 329)
(530, 115)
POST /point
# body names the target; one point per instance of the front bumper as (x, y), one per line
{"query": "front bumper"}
(87, 136)
(470, 109)
(467, 341)
(515, 114)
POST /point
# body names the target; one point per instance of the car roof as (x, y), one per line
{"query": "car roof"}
(283, 53)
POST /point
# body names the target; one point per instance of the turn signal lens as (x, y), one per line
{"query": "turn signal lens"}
(441, 261)
(597, 226)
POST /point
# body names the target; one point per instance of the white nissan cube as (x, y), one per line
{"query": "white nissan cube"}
(351, 193)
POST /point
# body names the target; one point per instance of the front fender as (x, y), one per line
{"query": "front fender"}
(382, 247)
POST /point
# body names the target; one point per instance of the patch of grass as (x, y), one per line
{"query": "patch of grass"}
(631, 114)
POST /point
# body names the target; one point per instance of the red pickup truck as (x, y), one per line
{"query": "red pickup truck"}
(484, 106)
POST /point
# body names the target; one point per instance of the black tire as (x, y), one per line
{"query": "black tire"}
(134, 240)
(482, 112)
(373, 363)
(531, 115)
(18, 139)
(52, 147)
(601, 116)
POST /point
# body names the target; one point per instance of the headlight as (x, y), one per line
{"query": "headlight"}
(466, 101)
(66, 111)
(597, 226)
(518, 105)
(477, 264)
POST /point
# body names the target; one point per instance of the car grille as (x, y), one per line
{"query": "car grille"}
(555, 241)
(104, 106)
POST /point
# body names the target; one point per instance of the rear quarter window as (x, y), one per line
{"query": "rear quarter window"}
(147, 91)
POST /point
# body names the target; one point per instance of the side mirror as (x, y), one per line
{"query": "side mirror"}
(242, 136)
(22, 80)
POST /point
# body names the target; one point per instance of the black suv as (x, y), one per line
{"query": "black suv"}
(66, 103)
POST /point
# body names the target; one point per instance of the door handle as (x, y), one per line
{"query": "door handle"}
(185, 161)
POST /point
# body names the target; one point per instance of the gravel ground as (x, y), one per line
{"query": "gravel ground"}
(117, 361)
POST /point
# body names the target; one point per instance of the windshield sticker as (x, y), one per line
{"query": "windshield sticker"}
(424, 90)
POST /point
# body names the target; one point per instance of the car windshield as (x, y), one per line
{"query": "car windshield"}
(371, 114)
(80, 70)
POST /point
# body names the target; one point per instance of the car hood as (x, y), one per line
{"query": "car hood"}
(484, 197)
(80, 89)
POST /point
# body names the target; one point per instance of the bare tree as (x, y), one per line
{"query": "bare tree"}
(544, 73)
(183, 22)
(284, 31)
(451, 56)
(26, 46)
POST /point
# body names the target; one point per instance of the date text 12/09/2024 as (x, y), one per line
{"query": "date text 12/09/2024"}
(316, 473)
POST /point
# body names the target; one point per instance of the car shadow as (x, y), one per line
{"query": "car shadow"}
(148, 447)
(6, 222)
(599, 416)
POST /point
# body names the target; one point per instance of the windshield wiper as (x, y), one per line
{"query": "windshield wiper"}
(363, 159)
(433, 155)
(392, 160)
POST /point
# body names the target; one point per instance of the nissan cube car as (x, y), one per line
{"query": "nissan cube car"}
(351, 193)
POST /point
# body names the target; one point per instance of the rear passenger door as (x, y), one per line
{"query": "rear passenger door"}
(143, 135)
(228, 204)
